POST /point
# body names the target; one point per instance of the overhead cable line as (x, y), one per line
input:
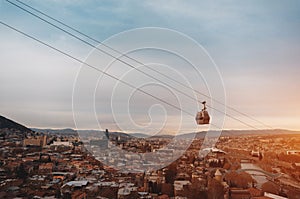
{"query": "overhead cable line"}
(97, 69)
(139, 62)
(130, 65)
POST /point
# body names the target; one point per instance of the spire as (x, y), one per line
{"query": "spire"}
(218, 175)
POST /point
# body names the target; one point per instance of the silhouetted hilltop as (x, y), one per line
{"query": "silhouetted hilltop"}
(9, 124)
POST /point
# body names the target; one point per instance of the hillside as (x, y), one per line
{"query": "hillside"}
(66, 131)
(9, 124)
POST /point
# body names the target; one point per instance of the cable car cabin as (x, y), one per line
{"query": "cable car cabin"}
(202, 116)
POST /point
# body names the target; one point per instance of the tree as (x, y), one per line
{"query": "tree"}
(227, 166)
(215, 190)
(293, 194)
(270, 187)
(243, 180)
(240, 180)
(21, 172)
(171, 173)
(230, 178)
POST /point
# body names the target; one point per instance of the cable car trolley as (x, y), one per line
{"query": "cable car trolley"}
(202, 116)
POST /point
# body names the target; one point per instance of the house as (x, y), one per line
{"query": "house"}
(235, 193)
(78, 194)
(293, 152)
(46, 167)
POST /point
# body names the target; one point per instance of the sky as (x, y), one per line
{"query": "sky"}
(254, 44)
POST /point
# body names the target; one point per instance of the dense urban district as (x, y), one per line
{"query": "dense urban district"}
(58, 165)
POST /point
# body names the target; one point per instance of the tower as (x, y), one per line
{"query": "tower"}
(218, 175)
(44, 140)
(107, 134)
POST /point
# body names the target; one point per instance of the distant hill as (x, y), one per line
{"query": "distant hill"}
(239, 133)
(69, 131)
(66, 131)
(139, 135)
(192, 135)
(6, 123)
(258, 132)
(9, 124)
